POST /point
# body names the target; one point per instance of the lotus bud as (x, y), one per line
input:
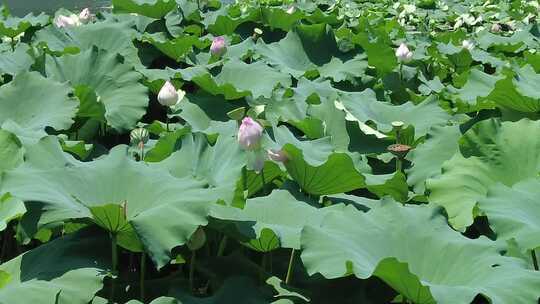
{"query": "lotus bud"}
(249, 134)
(168, 96)
(123, 207)
(197, 239)
(399, 150)
(403, 53)
(139, 135)
(291, 10)
(218, 47)
(278, 156)
(85, 16)
(495, 28)
(468, 45)
(65, 21)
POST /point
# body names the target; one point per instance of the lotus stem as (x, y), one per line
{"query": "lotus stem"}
(263, 267)
(535, 261)
(143, 274)
(401, 73)
(399, 164)
(290, 268)
(114, 256)
(222, 246)
(263, 182)
(192, 269)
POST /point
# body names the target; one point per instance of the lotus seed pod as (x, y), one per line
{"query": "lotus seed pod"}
(249, 134)
(85, 16)
(218, 47)
(467, 44)
(403, 53)
(398, 124)
(168, 96)
(197, 239)
(279, 156)
(139, 135)
(399, 150)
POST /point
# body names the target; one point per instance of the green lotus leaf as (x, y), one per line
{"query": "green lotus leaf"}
(150, 8)
(115, 84)
(277, 212)
(302, 50)
(218, 166)
(12, 26)
(10, 208)
(150, 195)
(17, 61)
(513, 212)
(33, 102)
(518, 91)
(428, 158)
(113, 37)
(376, 244)
(491, 152)
(338, 70)
(478, 86)
(221, 22)
(278, 18)
(365, 107)
(177, 48)
(67, 270)
(238, 79)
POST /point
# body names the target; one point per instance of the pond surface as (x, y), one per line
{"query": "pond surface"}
(23, 7)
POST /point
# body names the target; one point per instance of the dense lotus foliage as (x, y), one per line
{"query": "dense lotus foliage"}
(175, 151)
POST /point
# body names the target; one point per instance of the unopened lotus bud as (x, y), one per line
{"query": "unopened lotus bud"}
(291, 10)
(279, 156)
(124, 207)
(168, 96)
(139, 135)
(218, 47)
(85, 16)
(403, 53)
(399, 150)
(495, 28)
(467, 45)
(65, 21)
(249, 134)
(197, 239)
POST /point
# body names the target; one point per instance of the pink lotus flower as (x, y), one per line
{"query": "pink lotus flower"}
(279, 156)
(218, 47)
(403, 53)
(85, 16)
(249, 134)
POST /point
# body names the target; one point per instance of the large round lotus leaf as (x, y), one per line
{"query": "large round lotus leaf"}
(302, 50)
(33, 102)
(491, 152)
(12, 26)
(16, 61)
(163, 210)
(150, 8)
(427, 158)
(68, 270)
(365, 107)
(218, 166)
(116, 84)
(413, 250)
(513, 212)
(278, 211)
(113, 37)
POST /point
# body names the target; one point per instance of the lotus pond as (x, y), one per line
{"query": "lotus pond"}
(197, 152)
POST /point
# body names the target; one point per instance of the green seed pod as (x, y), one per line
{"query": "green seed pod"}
(399, 150)
(139, 135)
(197, 239)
